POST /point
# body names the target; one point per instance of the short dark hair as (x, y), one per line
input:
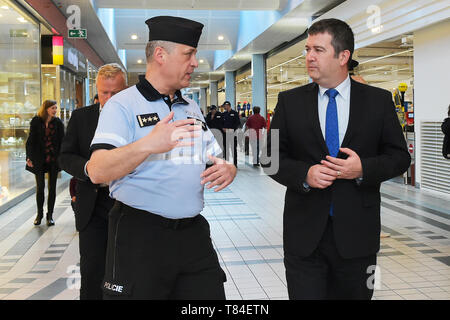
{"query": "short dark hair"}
(256, 109)
(342, 37)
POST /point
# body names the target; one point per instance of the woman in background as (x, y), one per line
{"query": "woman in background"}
(42, 147)
(446, 130)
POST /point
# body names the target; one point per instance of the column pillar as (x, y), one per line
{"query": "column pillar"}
(213, 92)
(230, 88)
(259, 83)
(203, 100)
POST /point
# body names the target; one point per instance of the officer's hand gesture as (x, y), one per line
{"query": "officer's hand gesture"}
(221, 174)
(167, 135)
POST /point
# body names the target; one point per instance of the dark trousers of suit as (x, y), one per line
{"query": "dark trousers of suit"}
(326, 275)
(40, 186)
(93, 240)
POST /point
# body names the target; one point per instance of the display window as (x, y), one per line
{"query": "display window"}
(390, 65)
(20, 95)
(285, 70)
(244, 92)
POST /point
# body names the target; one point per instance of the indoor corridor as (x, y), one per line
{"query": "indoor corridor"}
(38, 262)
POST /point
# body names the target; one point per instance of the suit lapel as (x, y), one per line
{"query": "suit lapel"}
(93, 120)
(356, 112)
(312, 101)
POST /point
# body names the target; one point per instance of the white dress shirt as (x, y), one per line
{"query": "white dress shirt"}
(343, 107)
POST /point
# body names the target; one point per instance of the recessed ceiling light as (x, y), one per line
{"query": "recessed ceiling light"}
(21, 19)
(139, 61)
(201, 60)
(5, 7)
(220, 37)
(134, 36)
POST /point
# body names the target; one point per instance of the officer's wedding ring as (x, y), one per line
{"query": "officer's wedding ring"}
(338, 173)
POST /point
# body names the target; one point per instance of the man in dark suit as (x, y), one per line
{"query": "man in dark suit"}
(338, 141)
(92, 200)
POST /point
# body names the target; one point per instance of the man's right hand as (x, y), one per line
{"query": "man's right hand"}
(167, 135)
(320, 176)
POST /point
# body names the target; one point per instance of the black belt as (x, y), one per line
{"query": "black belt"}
(160, 220)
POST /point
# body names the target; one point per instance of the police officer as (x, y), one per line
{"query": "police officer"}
(152, 144)
(214, 120)
(231, 123)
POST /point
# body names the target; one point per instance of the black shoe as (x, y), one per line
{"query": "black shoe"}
(38, 219)
(50, 221)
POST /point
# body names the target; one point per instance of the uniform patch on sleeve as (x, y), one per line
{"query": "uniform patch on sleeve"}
(149, 119)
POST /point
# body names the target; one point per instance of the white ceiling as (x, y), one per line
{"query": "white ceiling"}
(220, 17)
(194, 4)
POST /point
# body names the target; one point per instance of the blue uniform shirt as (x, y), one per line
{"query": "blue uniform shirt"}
(166, 184)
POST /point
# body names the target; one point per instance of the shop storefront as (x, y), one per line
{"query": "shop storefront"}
(64, 83)
(244, 92)
(20, 95)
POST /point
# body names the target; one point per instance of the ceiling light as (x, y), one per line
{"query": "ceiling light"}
(134, 36)
(22, 19)
(201, 60)
(220, 37)
(139, 61)
(5, 7)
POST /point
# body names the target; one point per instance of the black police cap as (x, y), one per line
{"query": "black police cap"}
(174, 29)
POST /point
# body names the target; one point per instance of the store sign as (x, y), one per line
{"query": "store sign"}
(58, 50)
(18, 33)
(78, 33)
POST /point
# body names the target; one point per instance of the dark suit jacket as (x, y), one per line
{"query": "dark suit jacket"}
(35, 148)
(74, 155)
(373, 132)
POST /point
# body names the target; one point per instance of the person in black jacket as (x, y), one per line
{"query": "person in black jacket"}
(42, 150)
(333, 166)
(446, 130)
(231, 123)
(92, 200)
(214, 121)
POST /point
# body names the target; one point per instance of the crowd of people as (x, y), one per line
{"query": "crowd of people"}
(235, 130)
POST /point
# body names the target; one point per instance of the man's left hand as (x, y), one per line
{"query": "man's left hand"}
(220, 174)
(349, 168)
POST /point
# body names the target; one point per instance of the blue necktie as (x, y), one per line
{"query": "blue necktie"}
(332, 127)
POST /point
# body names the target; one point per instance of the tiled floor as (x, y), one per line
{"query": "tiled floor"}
(246, 228)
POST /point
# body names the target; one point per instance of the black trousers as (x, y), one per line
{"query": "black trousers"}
(151, 257)
(92, 244)
(40, 186)
(326, 275)
(232, 144)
